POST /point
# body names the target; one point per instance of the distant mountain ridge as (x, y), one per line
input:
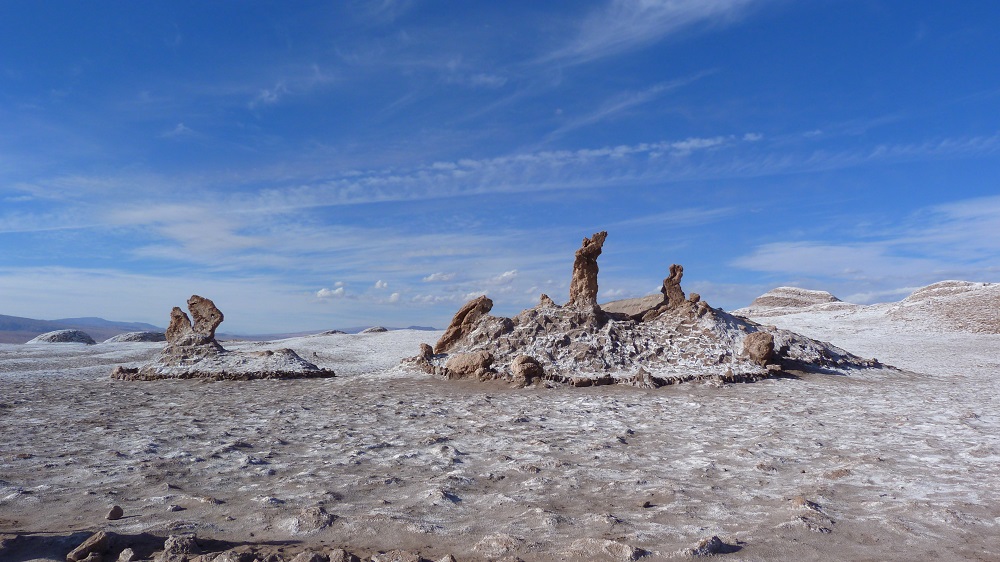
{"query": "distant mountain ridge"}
(17, 329)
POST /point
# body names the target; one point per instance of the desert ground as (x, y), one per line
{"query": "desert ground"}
(892, 464)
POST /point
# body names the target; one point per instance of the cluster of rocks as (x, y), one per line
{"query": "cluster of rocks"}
(106, 547)
(648, 342)
(193, 352)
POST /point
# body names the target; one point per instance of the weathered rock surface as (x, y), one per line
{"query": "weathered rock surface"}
(374, 330)
(469, 365)
(137, 337)
(98, 543)
(759, 347)
(193, 352)
(679, 339)
(115, 513)
(526, 370)
(583, 285)
(64, 336)
(462, 322)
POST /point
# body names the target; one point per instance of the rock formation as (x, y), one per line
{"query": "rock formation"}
(137, 337)
(374, 330)
(193, 352)
(583, 285)
(463, 321)
(64, 336)
(658, 341)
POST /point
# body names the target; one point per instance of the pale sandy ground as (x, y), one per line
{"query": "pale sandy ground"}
(898, 465)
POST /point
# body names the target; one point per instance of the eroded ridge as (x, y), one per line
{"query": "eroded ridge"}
(657, 342)
(193, 352)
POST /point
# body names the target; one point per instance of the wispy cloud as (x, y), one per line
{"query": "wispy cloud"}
(625, 25)
(622, 103)
(956, 240)
(439, 277)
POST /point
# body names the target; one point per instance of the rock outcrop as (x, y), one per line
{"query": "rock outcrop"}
(583, 285)
(131, 337)
(665, 340)
(64, 336)
(374, 330)
(193, 352)
(463, 321)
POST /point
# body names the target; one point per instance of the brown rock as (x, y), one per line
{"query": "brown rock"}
(546, 301)
(468, 365)
(98, 543)
(177, 548)
(526, 369)
(116, 513)
(310, 556)
(583, 285)
(673, 295)
(341, 555)
(180, 327)
(206, 316)
(426, 352)
(710, 547)
(463, 322)
(759, 346)
(396, 556)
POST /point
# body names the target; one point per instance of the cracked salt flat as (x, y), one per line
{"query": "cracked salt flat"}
(904, 465)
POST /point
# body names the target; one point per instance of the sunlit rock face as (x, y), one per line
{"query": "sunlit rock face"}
(647, 342)
(193, 352)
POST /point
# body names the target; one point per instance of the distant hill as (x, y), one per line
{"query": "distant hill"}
(957, 306)
(15, 329)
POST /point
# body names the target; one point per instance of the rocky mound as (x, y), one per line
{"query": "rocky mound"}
(670, 339)
(64, 336)
(960, 306)
(789, 300)
(955, 306)
(193, 352)
(374, 330)
(137, 337)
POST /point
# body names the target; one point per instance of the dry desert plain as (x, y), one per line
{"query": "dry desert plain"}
(879, 464)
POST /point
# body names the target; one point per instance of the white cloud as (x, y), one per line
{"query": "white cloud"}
(439, 277)
(327, 293)
(382, 285)
(505, 278)
(394, 297)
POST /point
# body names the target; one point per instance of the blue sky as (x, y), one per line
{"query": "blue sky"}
(311, 165)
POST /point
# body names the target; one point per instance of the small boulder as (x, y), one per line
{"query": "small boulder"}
(759, 347)
(468, 365)
(177, 548)
(98, 543)
(310, 556)
(116, 513)
(341, 555)
(526, 369)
